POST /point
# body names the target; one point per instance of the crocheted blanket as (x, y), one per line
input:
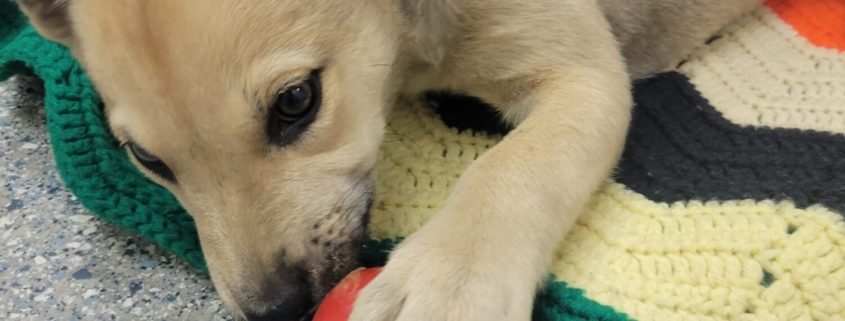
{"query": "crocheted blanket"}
(727, 204)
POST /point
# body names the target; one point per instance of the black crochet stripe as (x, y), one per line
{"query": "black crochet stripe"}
(680, 148)
(467, 113)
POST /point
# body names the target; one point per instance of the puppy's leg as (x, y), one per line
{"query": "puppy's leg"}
(484, 255)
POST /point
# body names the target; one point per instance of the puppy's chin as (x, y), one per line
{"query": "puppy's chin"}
(335, 266)
(339, 259)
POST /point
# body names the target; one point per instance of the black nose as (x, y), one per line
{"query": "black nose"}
(286, 298)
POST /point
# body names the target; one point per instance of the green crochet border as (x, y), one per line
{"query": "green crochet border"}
(99, 173)
(88, 157)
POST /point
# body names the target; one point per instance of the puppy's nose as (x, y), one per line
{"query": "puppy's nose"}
(288, 298)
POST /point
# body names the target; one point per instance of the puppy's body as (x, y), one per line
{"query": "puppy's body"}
(196, 83)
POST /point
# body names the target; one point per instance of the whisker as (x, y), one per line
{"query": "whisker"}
(382, 65)
(396, 137)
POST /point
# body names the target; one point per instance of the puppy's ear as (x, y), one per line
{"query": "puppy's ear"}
(432, 23)
(50, 18)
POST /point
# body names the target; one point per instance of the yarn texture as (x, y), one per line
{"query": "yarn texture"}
(763, 72)
(681, 148)
(820, 21)
(727, 204)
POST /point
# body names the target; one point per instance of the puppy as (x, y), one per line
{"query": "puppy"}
(264, 118)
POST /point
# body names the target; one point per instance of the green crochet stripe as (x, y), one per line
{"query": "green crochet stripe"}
(99, 173)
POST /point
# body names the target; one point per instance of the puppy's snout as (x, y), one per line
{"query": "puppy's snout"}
(283, 297)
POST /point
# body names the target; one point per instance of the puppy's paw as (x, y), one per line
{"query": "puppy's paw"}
(428, 279)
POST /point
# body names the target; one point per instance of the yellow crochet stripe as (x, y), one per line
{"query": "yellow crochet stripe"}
(738, 260)
(761, 72)
(420, 161)
(653, 261)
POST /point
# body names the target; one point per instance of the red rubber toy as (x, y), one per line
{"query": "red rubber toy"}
(337, 306)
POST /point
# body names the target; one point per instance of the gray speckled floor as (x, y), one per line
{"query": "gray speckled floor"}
(57, 262)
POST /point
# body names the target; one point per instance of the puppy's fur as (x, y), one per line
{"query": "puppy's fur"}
(193, 81)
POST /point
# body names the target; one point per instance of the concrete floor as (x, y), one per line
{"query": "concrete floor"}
(57, 262)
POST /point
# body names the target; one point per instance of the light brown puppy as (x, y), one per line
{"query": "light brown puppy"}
(264, 118)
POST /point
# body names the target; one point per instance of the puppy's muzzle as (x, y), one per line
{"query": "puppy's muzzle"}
(290, 290)
(281, 297)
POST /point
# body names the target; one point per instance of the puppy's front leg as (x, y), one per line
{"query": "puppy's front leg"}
(484, 255)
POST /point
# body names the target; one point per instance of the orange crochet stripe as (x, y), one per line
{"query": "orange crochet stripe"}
(822, 22)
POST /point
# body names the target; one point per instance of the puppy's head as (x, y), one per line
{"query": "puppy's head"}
(263, 117)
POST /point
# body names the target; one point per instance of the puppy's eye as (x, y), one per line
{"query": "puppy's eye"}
(295, 102)
(294, 108)
(151, 162)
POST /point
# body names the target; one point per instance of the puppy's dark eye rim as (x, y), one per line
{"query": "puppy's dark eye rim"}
(140, 153)
(149, 161)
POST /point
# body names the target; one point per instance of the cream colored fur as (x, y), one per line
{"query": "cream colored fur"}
(190, 80)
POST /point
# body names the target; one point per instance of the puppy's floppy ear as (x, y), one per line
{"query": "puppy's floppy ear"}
(431, 24)
(50, 18)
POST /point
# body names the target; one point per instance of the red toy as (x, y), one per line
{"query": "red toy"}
(337, 306)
